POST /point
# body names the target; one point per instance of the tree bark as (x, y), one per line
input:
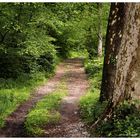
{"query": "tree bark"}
(113, 40)
(121, 73)
(127, 77)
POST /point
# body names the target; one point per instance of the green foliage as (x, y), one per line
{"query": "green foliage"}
(124, 123)
(45, 112)
(94, 70)
(26, 46)
(34, 36)
(90, 106)
(79, 53)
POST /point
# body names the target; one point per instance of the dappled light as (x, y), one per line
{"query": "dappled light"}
(69, 69)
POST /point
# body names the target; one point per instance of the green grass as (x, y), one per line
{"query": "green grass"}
(14, 92)
(45, 112)
(90, 106)
(79, 53)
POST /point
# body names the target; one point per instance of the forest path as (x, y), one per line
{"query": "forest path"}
(14, 125)
(70, 124)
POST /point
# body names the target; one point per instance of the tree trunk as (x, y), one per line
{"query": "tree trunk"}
(121, 69)
(121, 73)
(100, 30)
(112, 45)
(127, 77)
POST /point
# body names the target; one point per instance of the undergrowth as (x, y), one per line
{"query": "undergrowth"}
(45, 112)
(90, 106)
(15, 92)
(125, 122)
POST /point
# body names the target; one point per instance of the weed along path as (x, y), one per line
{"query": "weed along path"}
(14, 125)
(69, 125)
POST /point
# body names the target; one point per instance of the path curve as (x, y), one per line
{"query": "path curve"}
(14, 125)
(70, 124)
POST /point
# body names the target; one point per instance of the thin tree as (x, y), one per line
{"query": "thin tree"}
(100, 43)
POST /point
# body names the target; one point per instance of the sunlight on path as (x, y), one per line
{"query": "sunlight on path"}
(71, 125)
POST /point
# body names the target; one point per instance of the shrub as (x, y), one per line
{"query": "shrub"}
(124, 123)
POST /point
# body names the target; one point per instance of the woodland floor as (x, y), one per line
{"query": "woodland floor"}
(70, 124)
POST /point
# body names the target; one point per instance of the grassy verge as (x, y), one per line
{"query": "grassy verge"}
(90, 106)
(15, 92)
(125, 121)
(45, 112)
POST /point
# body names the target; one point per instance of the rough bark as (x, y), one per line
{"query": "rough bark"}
(100, 44)
(121, 77)
(127, 77)
(113, 40)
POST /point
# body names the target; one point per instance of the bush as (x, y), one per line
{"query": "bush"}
(10, 65)
(93, 67)
(124, 123)
(47, 62)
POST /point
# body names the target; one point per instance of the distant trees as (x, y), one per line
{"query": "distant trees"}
(95, 17)
(34, 35)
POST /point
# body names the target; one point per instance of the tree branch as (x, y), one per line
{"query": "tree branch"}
(3, 36)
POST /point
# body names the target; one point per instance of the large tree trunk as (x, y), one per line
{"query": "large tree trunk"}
(100, 44)
(121, 66)
(113, 41)
(121, 73)
(127, 77)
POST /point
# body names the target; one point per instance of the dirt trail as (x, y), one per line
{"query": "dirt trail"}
(70, 124)
(15, 122)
